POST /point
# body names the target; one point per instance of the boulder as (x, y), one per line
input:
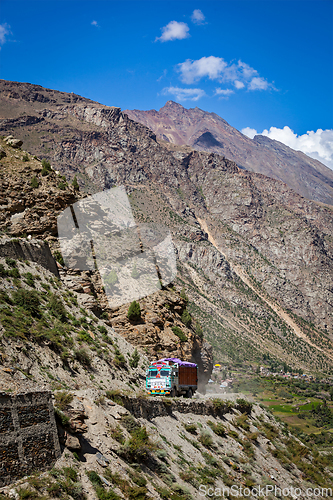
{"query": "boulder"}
(14, 143)
(72, 443)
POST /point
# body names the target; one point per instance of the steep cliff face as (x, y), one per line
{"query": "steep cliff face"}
(248, 246)
(209, 132)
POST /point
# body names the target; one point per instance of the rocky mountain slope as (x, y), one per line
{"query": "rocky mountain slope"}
(205, 131)
(254, 256)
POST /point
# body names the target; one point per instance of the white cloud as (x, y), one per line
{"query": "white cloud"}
(240, 74)
(4, 31)
(95, 23)
(184, 94)
(192, 71)
(174, 31)
(258, 83)
(238, 84)
(198, 17)
(224, 93)
(317, 145)
(249, 132)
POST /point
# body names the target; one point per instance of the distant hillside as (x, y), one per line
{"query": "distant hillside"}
(209, 132)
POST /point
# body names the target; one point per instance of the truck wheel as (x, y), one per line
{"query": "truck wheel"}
(189, 393)
(173, 393)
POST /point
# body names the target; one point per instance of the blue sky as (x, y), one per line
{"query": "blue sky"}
(258, 64)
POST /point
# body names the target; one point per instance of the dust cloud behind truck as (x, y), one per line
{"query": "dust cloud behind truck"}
(172, 376)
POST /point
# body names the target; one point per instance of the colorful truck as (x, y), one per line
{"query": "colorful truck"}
(171, 376)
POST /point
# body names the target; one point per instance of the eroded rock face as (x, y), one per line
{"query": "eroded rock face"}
(34, 251)
(30, 201)
(153, 333)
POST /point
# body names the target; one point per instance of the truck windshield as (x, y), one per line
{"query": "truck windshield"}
(165, 373)
(152, 373)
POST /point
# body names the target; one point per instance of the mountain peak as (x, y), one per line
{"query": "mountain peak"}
(171, 105)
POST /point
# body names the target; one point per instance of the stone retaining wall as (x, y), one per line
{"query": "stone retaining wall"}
(152, 407)
(28, 434)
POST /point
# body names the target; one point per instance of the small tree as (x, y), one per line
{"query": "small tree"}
(58, 257)
(134, 311)
(180, 334)
(186, 318)
(134, 361)
(75, 184)
(34, 182)
(198, 329)
(183, 295)
(46, 167)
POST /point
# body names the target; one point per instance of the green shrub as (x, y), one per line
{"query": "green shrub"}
(183, 295)
(192, 428)
(115, 395)
(205, 439)
(46, 167)
(11, 262)
(70, 473)
(62, 185)
(186, 318)
(63, 399)
(218, 428)
(198, 329)
(64, 420)
(130, 424)
(58, 257)
(244, 406)
(85, 337)
(180, 334)
(134, 311)
(134, 360)
(13, 273)
(94, 478)
(29, 279)
(242, 422)
(83, 357)
(102, 329)
(4, 297)
(75, 184)
(3, 271)
(29, 300)
(117, 434)
(138, 447)
(34, 183)
(119, 360)
(27, 494)
(57, 308)
(25, 157)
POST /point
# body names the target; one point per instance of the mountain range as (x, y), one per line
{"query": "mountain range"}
(254, 256)
(205, 131)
